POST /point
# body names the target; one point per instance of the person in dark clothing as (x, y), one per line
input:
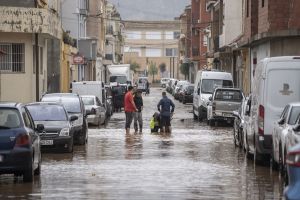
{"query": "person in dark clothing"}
(138, 117)
(147, 87)
(166, 108)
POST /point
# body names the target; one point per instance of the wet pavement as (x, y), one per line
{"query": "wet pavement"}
(195, 162)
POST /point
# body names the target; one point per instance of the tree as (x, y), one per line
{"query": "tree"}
(185, 69)
(134, 66)
(162, 67)
(153, 70)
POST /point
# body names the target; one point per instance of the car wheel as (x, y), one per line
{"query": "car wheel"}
(28, 174)
(211, 122)
(70, 146)
(183, 101)
(37, 171)
(82, 139)
(235, 137)
(199, 115)
(195, 116)
(273, 163)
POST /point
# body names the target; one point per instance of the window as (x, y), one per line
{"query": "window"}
(153, 35)
(14, 58)
(262, 3)
(133, 35)
(172, 35)
(171, 52)
(151, 52)
(27, 120)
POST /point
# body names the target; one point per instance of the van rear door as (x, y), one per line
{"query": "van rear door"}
(282, 87)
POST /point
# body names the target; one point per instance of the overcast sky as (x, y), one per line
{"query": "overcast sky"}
(150, 9)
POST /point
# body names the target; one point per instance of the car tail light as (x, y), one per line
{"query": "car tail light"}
(293, 159)
(261, 119)
(22, 140)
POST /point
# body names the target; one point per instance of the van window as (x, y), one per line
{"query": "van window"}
(208, 85)
(294, 115)
(228, 95)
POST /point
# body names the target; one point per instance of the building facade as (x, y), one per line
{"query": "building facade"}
(27, 29)
(152, 43)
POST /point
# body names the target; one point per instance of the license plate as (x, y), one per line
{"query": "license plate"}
(1, 158)
(227, 115)
(46, 142)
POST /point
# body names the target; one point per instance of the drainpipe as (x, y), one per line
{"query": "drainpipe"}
(37, 73)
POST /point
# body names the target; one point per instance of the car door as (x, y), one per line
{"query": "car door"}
(35, 139)
(278, 128)
(102, 110)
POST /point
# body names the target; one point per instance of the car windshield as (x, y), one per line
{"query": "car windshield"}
(9, 118)
(88, 101)
(71, 104)
(118, 79)
(294, 115)
(209, 85)
(47, 113)
(228, 95)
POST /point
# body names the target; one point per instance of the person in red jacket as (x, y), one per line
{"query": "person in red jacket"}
(130, 108)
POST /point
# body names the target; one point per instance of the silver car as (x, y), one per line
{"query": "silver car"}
(96, 110)
(282, 128)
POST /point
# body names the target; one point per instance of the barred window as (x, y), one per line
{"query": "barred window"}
(13, 59)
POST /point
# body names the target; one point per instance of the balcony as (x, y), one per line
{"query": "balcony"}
(30, 20)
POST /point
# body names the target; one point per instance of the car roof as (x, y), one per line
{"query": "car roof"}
(295, 104)
(60, 95)
(235, 89)
(88, 96)
(44, 103)
(10, 104)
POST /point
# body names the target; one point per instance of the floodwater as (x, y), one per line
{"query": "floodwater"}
(195, 162)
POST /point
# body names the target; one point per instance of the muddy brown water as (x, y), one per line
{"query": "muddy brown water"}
(194, 162)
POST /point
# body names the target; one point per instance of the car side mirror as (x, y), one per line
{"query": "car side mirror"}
(73, 118)
(236, 114)
(281, 121)
(297, 128)
(40, 127)
(210, 98)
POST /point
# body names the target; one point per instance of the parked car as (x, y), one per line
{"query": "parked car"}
(142, 83)
(96, 110)
(74, 106)
(275, 84)
(282, 126)
(109, 104)
(169, 85)
(222, 104)
(164, 82)
(19, 142)
(240, 123)
(205, 84)
(58, 132)
(292, 191)
(186, 94)
(178, 86)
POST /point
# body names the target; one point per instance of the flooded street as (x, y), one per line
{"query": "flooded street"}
(195, 162)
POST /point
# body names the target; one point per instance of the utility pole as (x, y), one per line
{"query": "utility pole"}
(170, 67)
(37, 71)
(174, 67)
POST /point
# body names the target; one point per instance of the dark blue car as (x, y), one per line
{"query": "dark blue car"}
(19, 142)
(292, 192)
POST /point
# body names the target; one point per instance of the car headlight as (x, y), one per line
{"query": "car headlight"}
(64, 132)
(78, 122)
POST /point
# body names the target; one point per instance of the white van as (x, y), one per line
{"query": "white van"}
(276, 83)
(205, 84)
(95, 88)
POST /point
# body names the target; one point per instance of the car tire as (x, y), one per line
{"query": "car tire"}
(82, 139)
(235, 137)
(273, 163)
(28, 174)
(70, 146)
(200, 115)
(37, 171)
(194, 115)
(183, 101)
(211, 122)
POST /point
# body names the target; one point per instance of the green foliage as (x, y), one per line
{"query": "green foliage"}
(134, 66)
(185, 69)
(153, 69)
(162, 67)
